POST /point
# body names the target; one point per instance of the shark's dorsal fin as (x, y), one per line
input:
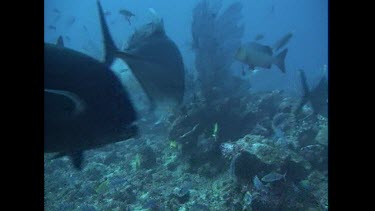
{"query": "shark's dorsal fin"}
(60, 42)
(109, 45)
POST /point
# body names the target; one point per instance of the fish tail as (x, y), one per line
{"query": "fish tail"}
(305, 90)
(305, 87)
(109, 45)
(280, 60)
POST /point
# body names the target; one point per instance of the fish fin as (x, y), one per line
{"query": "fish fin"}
(60, 42)
(305, 89)
(77, 159)
(58, 155)
(261, 48)
(79, 104)
(109, 45)
(280, 60)
(125, 56)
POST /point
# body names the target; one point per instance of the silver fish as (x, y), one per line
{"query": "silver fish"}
(273, 176)
(256, 55)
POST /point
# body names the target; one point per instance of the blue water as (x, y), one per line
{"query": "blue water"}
(308, 48)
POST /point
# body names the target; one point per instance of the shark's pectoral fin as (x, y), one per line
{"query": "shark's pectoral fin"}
(79, 104)
(77, 159)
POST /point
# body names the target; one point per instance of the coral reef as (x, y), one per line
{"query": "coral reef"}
(229, 148)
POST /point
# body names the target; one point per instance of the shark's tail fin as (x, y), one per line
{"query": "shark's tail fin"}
(305, 90)
(109, 46)
(280, 60)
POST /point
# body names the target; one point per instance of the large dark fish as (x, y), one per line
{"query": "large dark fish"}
(85, 104)
(156, 62)
(318, 96)
(257, 55)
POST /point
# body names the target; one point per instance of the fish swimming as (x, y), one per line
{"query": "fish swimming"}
(52, 27)
(127, 14)
(257, 55)
(85, 104)
(70, 21)
(282, 41)
(273, 176)
(156, 62)
(318, 96)
(258, 37)
(55, 10)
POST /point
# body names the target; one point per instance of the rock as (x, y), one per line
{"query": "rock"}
(322, 136)
(246, 166)
(148, 158)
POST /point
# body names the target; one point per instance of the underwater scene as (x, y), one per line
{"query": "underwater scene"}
(185, 105)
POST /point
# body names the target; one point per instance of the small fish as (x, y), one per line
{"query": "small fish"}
(56, 18)
(56, 11)
(254, 72)
(256, 55)
(70, 21)
(85, 28)
(215, 130)
(67, 37)
(124, 70)
(313, 147)
(273, 176)
(52, 27)
(282, 42)
(258, 37)
(127, 14)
